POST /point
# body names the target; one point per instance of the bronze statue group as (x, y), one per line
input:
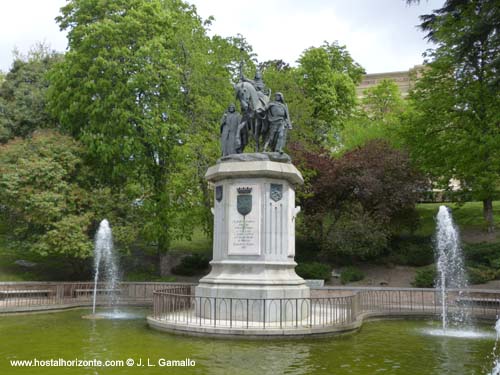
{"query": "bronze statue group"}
(264, 120)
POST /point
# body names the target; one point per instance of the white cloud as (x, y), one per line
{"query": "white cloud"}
(380, 35)
(23, 23)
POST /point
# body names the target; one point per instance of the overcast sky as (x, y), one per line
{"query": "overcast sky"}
(381, 35)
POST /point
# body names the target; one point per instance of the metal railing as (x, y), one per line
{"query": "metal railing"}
(25, 296)
(179, 305)
(328, 307)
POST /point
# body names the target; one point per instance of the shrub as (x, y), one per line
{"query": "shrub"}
(351, 274)
(306, 249)
(356, 234)
(485, 254)
(425, 277)
(413, 251)
(191, 265)
(481, 274)
(313, 270)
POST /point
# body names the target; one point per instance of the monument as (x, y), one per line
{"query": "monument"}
(254, 230)
(254, 219)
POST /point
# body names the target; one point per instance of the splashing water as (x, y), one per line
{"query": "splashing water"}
(105, 263)
(450, 269)
(496, 363)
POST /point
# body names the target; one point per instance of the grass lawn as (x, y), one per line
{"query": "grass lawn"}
(9, 271)
(198, 243)
(468, 216)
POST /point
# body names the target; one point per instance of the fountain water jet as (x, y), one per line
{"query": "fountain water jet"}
(496, 363)
(105, 263)
(450, 268)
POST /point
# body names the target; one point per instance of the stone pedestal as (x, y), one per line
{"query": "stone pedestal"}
(254, 239)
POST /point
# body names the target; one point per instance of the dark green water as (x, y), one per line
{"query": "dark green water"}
(384, 347)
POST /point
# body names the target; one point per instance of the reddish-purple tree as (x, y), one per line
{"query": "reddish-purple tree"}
(356, 202)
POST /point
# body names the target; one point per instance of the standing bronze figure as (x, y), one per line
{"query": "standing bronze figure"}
(279, 122)
(230, 132)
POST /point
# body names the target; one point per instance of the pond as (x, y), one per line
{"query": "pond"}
(381, 347)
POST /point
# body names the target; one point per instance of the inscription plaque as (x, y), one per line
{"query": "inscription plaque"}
(244, 228)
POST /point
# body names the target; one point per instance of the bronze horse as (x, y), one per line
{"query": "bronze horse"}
(253, 107)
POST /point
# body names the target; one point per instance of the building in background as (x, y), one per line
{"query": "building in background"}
(403, 79)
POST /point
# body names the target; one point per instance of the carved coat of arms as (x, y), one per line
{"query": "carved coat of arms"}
(276, 192)
(244, 200)
(218, 193)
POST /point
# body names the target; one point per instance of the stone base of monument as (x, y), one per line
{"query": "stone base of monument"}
(252, 289)
(254, 240)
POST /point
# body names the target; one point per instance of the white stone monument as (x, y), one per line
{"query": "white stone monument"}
(254, 239)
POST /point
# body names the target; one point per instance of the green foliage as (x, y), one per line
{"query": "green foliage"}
(328, 77)
(412, 251)
(143, 87)
(307, 248)
(425, 277)
(357, 234)
(452, 127)
(198, 242)
(383, 101)
(360, 129)
(483, 254)
(43, 200)
(191, 265)
(468, 216)
(313, 270)
(286, 79)
(351, 274)
(358, 200)
(379, 118)
(50, 202)
(481, 274)
(23, 94)
(145, 276)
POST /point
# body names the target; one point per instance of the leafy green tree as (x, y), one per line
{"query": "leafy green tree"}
(23, 93)
(384, 101)
(143, 87)
(328, 76)
(42, 196)
(379, 117)
(208, 66)
(52, 202)
(118, 91)
(453, 129)
(279, 76)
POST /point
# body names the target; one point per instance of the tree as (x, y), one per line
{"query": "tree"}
(281, 77)
(383, 101)
(208, 67)
(356, 202)
(42, 196)
(379, 117)
(143, 87)
(453, 129)
(51, 203)
(328, 76)
(22, 93)
(119, 91)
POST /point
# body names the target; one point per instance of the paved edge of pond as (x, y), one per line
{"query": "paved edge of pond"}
(283, 333)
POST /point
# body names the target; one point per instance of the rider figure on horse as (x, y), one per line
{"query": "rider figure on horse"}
(257, 82)
(253, 101)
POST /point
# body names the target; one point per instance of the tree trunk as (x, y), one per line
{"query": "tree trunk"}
(488, 214)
